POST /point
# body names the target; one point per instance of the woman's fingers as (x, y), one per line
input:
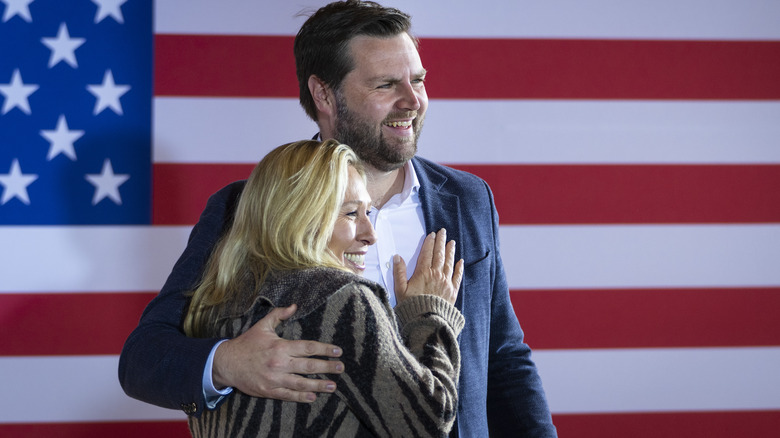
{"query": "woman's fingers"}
(457, 276)
(426, 252)
(449, 259)
(438, 258)
(436, 272)
(399, 277)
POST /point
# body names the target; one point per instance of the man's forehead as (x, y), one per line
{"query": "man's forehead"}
(372, 41)
(374, 54)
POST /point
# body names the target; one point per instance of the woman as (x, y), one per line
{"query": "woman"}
(299, 235)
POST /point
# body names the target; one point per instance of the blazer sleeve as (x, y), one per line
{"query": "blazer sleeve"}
(518, 409)
(398, 383)
(159, 364)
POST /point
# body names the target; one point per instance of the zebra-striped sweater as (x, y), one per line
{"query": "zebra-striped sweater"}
(401, 366)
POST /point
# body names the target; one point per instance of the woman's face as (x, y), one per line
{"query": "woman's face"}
(353, 232)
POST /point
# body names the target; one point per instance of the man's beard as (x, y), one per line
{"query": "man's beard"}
(368, 141)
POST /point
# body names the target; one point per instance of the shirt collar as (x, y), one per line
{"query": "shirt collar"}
(411, 182)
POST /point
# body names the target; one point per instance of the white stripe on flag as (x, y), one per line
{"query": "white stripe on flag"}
(85, 388)
(225, 130)
(714, 19)
(88, 259)
(641, 256)
(106, 259)
(70, 389)
(660, 380)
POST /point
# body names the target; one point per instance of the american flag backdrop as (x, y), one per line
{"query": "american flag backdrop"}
(633, 148)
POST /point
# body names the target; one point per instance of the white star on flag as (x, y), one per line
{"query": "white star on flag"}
(16, 94)
(108, 94)
(17, 7)
(63, 47)
(107, 184)
(62, 139)
(109, 7)
(15, 183)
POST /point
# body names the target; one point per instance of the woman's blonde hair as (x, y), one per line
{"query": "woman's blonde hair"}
(284, 220)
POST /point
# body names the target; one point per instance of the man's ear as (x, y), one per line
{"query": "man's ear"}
(323, 96)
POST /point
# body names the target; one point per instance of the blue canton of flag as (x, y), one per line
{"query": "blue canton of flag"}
(75, 114)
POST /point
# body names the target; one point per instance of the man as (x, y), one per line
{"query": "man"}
(362, 80)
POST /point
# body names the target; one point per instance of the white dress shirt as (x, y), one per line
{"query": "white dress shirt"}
(400, 229)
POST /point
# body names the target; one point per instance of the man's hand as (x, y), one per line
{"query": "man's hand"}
(261, 364)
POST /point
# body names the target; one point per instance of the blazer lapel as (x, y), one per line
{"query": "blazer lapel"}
(441, 208)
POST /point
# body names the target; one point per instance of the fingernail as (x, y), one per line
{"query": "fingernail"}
(340, 367)
(330, 387)
(311, 397)
(337, 351)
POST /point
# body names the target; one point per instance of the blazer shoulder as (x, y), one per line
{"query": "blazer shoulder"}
(444, 178)
(228, 194)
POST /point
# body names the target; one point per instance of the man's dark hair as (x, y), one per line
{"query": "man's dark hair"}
(322, 44)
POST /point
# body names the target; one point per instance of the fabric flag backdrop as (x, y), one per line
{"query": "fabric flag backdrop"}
(633, 147)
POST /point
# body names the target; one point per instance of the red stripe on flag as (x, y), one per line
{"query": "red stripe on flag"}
(127, 429)
(263, 66)
(552, 319)
(569, 319)
(68, 323)
(549, 194)
(180, 191)
(217, 65)
(631, 194)
(638, 425)
(601, 69)
(729, 424)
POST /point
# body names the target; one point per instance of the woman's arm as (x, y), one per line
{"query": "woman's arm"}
(397, 384)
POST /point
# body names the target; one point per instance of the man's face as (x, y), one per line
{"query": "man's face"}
(382, 102)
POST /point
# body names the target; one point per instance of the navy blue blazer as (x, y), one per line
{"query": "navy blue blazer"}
(500, 390)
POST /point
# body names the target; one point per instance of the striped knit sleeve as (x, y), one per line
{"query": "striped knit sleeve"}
(397, 385)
